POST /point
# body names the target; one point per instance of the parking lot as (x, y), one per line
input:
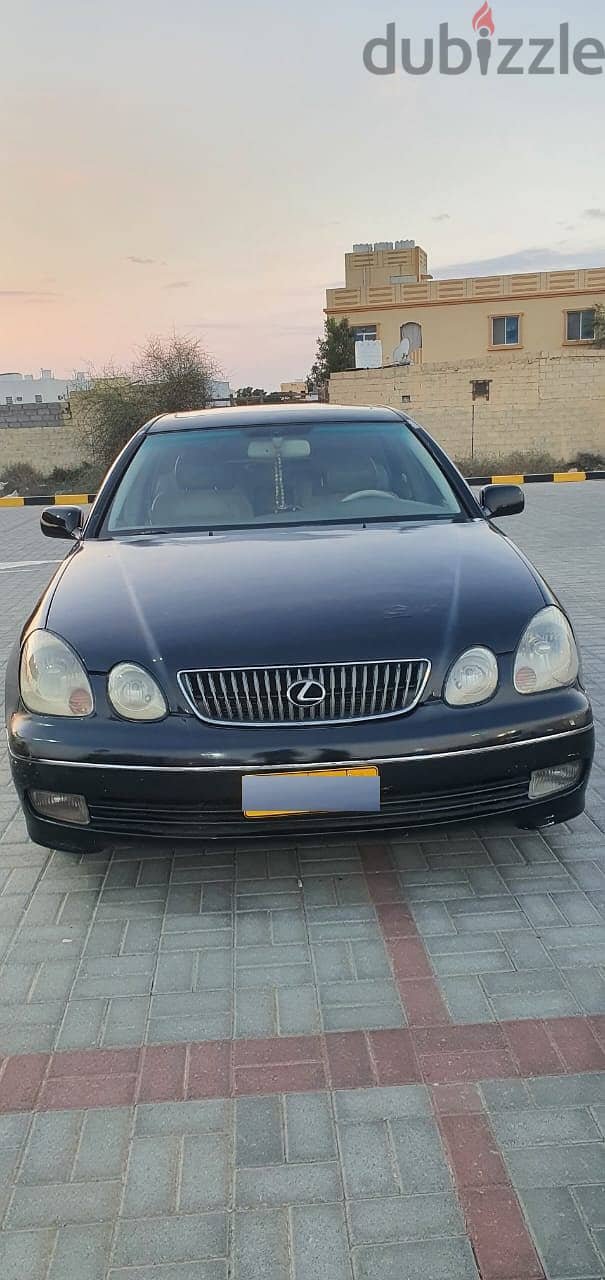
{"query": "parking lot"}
(374, 1061)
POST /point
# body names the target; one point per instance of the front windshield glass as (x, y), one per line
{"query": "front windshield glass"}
(297, 473)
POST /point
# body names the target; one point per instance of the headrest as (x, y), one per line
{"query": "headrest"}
(194, 473)
(352, 474)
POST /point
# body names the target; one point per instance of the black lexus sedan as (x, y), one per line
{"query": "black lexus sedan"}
(288, 621)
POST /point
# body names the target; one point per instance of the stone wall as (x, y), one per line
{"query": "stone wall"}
(548, 403)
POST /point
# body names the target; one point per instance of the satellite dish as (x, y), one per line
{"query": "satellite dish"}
(401, 354)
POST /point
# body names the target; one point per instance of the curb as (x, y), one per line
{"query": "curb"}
(551, 477)
(49, 500)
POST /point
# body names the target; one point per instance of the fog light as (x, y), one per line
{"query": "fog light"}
(560, 777)
(60, 806)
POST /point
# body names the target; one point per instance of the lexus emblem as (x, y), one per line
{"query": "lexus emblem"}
(306, 693)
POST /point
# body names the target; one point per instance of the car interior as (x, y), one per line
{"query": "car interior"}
(231, 478)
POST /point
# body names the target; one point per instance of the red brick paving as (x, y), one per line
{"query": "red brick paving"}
(162, 1077)
(395, 1058)
(577, 1044)
(501, 1242)
(20, 1081)
(450, 1056)
(69, 1092)
(349, 1063)
(210, 1073)
(533, 1049)
(474, 1156)
(340, 1060)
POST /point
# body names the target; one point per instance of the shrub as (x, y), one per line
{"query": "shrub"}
(25, 480)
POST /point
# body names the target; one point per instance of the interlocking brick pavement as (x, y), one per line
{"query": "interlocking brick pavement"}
(375, 1060)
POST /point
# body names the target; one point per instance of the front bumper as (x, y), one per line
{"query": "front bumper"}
(181, 781)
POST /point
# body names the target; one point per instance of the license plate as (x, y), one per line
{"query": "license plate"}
(279, 795)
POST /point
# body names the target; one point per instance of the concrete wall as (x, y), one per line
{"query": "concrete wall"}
(42, 435)
(549, 402)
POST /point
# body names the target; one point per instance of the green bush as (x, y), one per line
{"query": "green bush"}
(513, 464)
(25, 480)
(590, 461)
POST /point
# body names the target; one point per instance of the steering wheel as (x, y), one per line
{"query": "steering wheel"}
(370, 493)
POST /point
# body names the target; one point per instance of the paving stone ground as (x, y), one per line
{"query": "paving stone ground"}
(347, 1062)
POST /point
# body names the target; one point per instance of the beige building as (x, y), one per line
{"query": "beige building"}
(388, 295)
(297, 388)
(493, 366)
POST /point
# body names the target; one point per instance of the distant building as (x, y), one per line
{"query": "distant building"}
(23, 388)
(296, 388)
(220, 395)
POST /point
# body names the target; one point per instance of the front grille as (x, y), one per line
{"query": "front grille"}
(259, 695)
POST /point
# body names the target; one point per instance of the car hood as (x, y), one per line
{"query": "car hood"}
(295, 596)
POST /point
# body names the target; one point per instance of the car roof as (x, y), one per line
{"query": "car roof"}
(269, 414)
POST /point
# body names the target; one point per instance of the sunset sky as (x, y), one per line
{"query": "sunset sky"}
(204, 167)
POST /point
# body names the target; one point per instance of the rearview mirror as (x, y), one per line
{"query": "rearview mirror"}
(502, 499)
(61, 522)
(286, 448)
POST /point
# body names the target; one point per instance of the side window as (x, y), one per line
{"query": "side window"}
(505, 331)
(365, 333)
(580, 325)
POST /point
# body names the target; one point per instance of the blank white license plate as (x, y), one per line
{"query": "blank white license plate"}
(277, 795)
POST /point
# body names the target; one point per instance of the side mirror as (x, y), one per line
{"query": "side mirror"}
(61, 522)
(502, 500)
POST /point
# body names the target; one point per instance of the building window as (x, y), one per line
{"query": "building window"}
(505, 331)
(480, 390)
(39, 400)
(580, 326)
(413, 331)
(9, 400)
(365, 333)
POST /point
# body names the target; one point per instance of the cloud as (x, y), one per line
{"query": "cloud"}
(141, 262)
(260, 326)
(178, 284)
(594, 213)
(534, 259)
(29, 294)
(441, 217)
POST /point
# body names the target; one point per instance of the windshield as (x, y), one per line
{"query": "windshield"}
(241, 477)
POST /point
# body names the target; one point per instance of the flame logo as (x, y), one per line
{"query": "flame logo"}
(484, 19)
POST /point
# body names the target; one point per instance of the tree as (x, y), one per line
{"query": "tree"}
(335, 353)
(250, 395)
(169, 375)
(599, 325)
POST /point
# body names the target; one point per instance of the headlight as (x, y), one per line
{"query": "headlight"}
(134, 694)
(547, 657)
(473, 678)
(52, 679)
